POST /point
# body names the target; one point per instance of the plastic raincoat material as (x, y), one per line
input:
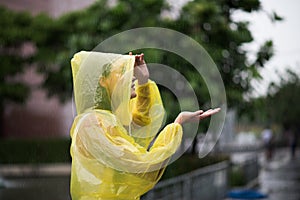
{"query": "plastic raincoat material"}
(111, 153)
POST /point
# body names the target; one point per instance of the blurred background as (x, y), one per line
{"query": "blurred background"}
(254, 44)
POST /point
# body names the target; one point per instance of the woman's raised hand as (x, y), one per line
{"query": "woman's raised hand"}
(185, 117)
(140, 69)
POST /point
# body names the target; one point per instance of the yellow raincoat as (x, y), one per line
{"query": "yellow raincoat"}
(111, 157)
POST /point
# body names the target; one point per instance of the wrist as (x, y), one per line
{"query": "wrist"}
(142, 81)
(178, 119)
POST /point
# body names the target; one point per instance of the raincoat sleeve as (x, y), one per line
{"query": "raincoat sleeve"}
(147, 113)
(109, 164)
(140, 114)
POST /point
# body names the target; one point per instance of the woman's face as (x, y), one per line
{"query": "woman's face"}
(110, 82)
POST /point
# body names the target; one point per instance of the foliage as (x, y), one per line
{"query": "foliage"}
(53, 55)
(254, 110)
(209, 22)
(279, 106)
(34, 151)
(236, 177)
(15, 33)
(283, 100)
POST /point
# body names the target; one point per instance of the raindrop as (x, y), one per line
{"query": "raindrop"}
(225, 53)
(207, 26)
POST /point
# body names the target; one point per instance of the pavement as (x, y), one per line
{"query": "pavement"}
(279, 178)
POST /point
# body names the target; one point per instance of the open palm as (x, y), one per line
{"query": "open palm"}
(196, 116)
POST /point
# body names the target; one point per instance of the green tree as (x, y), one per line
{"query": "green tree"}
(83, 30)
(208, 22)
(211, 24)
(14, 36)
(283, 100)
(53, 54)
(279, 106)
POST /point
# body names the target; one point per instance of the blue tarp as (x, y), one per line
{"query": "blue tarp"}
(246, 194)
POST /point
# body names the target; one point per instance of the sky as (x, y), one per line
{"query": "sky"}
(284, 34)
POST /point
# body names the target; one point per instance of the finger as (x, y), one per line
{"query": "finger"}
(217, 109)
(137, 58)
(198, 112)
(132, 84)
(204, 115)
(206, 112)
(142, 57)
(195, 116)
(213, 110)
(209, 112)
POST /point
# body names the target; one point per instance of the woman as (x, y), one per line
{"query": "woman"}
(111, 153)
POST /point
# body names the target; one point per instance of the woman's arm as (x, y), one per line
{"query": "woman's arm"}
(143, 92)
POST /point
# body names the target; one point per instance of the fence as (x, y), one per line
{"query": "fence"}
(250, 169)
(209, 183)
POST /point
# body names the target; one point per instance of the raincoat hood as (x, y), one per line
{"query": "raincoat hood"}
(103, 81)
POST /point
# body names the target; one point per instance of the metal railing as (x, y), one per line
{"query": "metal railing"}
(250, 170)
(209, 183)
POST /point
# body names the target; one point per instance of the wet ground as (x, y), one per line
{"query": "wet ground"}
(36, 188)
(280, 178)
(35, 182)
